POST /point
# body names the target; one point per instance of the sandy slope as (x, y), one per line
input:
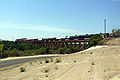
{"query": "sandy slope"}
(101, 63)
(113, 41)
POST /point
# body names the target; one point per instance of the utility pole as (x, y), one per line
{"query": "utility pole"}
(1, 49)
(13, 39)
(105, 28)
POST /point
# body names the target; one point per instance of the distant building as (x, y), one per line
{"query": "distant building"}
(114, 35)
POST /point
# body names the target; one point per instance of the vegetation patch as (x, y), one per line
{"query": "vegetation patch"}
(40, 62)
(58, 60)
(46, 75)
(22, 69)
(51, 60)
(31, 63)
(104, 70)
(46, 70)
(46, 61)
(13, 49)
(93, 63)
(74, 61)
(94, 40)
(56, 68)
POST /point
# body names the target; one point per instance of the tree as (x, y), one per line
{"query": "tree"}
(1, 46)
(68, 51)
(115, 31)
(95, 39)
(42, 51)
(22, 46)
(61, 50)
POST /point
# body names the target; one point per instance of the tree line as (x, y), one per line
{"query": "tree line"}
(12, 49)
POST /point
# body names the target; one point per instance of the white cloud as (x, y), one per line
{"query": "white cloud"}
(39, 28)
(34, 31)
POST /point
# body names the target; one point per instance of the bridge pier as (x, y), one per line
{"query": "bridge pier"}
(66, 44)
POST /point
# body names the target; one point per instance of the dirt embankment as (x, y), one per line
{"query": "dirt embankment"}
(114, 41)
(110, 41)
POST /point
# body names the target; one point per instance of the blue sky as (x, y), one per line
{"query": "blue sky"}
(56, 18)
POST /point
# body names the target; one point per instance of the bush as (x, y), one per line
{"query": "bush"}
(40, 62)
(46, 61)
(53, 51)
(46, 70)
(31, 63)
(68, 51)
(61, 51)
(75, 50)
(58, 60)
(56, 68)
(93, 63)
(22, 69)
(42, 51)
(51, 60)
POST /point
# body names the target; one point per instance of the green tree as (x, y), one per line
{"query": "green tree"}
(42, 51)
(115, 31)
(1, 46)
(61, 51)
(95, 39)
(68, 51)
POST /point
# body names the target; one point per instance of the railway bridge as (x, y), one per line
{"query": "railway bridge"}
(80, 42)
(67, 44)
(77, 41)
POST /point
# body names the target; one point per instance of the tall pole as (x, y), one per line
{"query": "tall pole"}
(105, 28)
(1, 49)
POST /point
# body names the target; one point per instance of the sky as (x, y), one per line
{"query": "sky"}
(56, 18)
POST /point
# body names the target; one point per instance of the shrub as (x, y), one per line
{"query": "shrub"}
(22, 69)
(31, 63)
(42, 51)
(75, 50)
(46, 61)
(68, 51)
(56, 68)
(61, 50)
(104, 70)
(46, 75)
(53, 51)
(58, 60)
(40, 62)
(46, 70)
(51, 60)
(93, 63)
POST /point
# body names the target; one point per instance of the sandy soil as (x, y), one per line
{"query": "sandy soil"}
(98, 63)
(113, 41)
